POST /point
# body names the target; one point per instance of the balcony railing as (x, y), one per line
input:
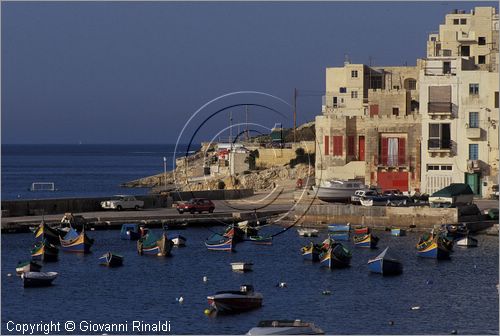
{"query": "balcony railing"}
(439, 108)
(390, 160)
(440, 71)
(439, 144)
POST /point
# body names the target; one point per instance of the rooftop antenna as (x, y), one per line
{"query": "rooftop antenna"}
(346, 59)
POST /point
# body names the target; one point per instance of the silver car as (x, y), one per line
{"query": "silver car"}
(122, 202)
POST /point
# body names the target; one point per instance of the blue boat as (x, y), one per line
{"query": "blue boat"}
(397, 232)
(130, 232)
(151, 245)
(337, 256)
(339, 227)
(219, 243)
(111, 260)
(342, 236)
(432, 248)
(368, 240)
(311, 252)
(76, 242)
(384, 265)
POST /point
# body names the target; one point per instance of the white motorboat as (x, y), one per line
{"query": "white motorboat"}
(241, 266)
(285, 327)
(38, 279)
(467, 242)
(305, 232)
(338, 190)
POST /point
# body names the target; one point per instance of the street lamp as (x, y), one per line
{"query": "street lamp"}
(165, 171)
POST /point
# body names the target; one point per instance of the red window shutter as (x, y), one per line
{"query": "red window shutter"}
(373, 110)
(384, 150)
(337, 145)
(401, 151)
(327, 145)
(350, 145)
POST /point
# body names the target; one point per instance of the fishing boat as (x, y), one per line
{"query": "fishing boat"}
(179, 241)
(361, 230)
(241, 266)
(305, 232)
(398, 232)
(261, 240)
(247, 229)
(337, 256)
(235, 301)
(130, 232)
(285, 327)
(311, 252)
(45, 232)
(111, 260)
(76, 242)
(339, 228)
(44, 251)
(367, 240)
(151, 245)
(337, 190)
(467, 241)
(71, 221)
(27, 266)
(219, 242)
(432, 248)
(384, 265)
(38, 279)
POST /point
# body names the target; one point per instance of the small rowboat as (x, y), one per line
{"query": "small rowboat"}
(261, 240)
(76, 242)
(111, 260)
(241, 266)
(432, 248)
(219, 243)
(337, 256)
(367, 240)
(467, 242)
(38, 279)
(235, 301)
(27, 266)
(385, 266)
(304, 232)
(151, 245)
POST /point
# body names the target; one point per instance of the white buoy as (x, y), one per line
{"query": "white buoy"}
(9, 274)
(181, 299)
(205, 278)
(415, 308)
(282, 285)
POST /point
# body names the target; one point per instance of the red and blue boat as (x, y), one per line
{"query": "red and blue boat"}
(151, 245)
(220, 243)
(368, 241)
(361, 230)
(384, 265)
(337, 256)
(76, 242)
(44, 251)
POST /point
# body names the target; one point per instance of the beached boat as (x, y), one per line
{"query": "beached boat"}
(45, 232)
(367, 240)
(27, 266)
(337, 256)
(285, 327)
(467, 241)
(311, 252)
(178, 240)
(44, 251)
(305, 232)
(38, 279)
(76, 242)
(219, 242)
(151, 245)
(241, 266)
(361, 230)
(235, 301)
(261, 240)
(111, 260)
(384, 265)
(337, 190)
(130, 232)
(398, 232)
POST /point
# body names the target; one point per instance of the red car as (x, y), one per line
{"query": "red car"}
(196, 205)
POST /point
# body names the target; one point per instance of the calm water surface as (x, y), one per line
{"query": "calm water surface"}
(459, 294)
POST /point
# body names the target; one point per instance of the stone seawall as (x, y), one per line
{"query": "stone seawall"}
(418, 217)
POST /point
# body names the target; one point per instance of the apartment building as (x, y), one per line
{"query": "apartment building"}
(459, 84)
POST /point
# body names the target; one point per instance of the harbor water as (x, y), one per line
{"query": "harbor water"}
(459, 294)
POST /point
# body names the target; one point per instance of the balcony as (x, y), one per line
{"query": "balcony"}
(440, 108)
(473, 132)
(440, 71)
(439, 145)
(391, 160)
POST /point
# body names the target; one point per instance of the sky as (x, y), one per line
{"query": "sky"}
(137, 72)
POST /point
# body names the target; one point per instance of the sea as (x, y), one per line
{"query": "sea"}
(81, 170)
(430, 297)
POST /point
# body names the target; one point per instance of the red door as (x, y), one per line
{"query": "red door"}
(393, 180)
(361, 148)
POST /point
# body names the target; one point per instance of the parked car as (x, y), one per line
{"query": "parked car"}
(122, 202)
(196, 205)
(358, 194)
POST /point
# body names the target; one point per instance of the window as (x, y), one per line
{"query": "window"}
(446, 52)
(446, 67)
(473, 119)
(481, 59)
(354, 94)
(473, 89)
(481, 40)
(412, 84)
(396, 87)
(350, 144)
(456, 21)
(465, 51)
(432, 167)
(496, 99)
(342, 90)
(463, 21)
(473, 151)
(327, 145)
(337, 145)
(395, 111)
(446, 167)
(376, 82)
(373, 110)
(439, 136)
(354, 73)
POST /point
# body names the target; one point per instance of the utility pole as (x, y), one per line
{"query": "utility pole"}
(246, 123)
(165, 171)
(295, 115)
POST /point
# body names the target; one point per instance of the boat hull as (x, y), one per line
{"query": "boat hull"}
(336, 257)
(433, 251)
(229, 305)
(161, 247)
(241, 267)
(45, 252)
(224, 244)
(467, 242)
(38, 279)
(366, 241)
(329, 194)
(111, 260)
(340, 236)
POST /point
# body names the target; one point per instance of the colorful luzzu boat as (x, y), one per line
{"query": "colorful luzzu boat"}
(219, 243)
(311, 252)
(44, 251)
(337, 256)
(45, 232)
(432, 249)
(368, 241)
(150, 245)
(76, 242)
